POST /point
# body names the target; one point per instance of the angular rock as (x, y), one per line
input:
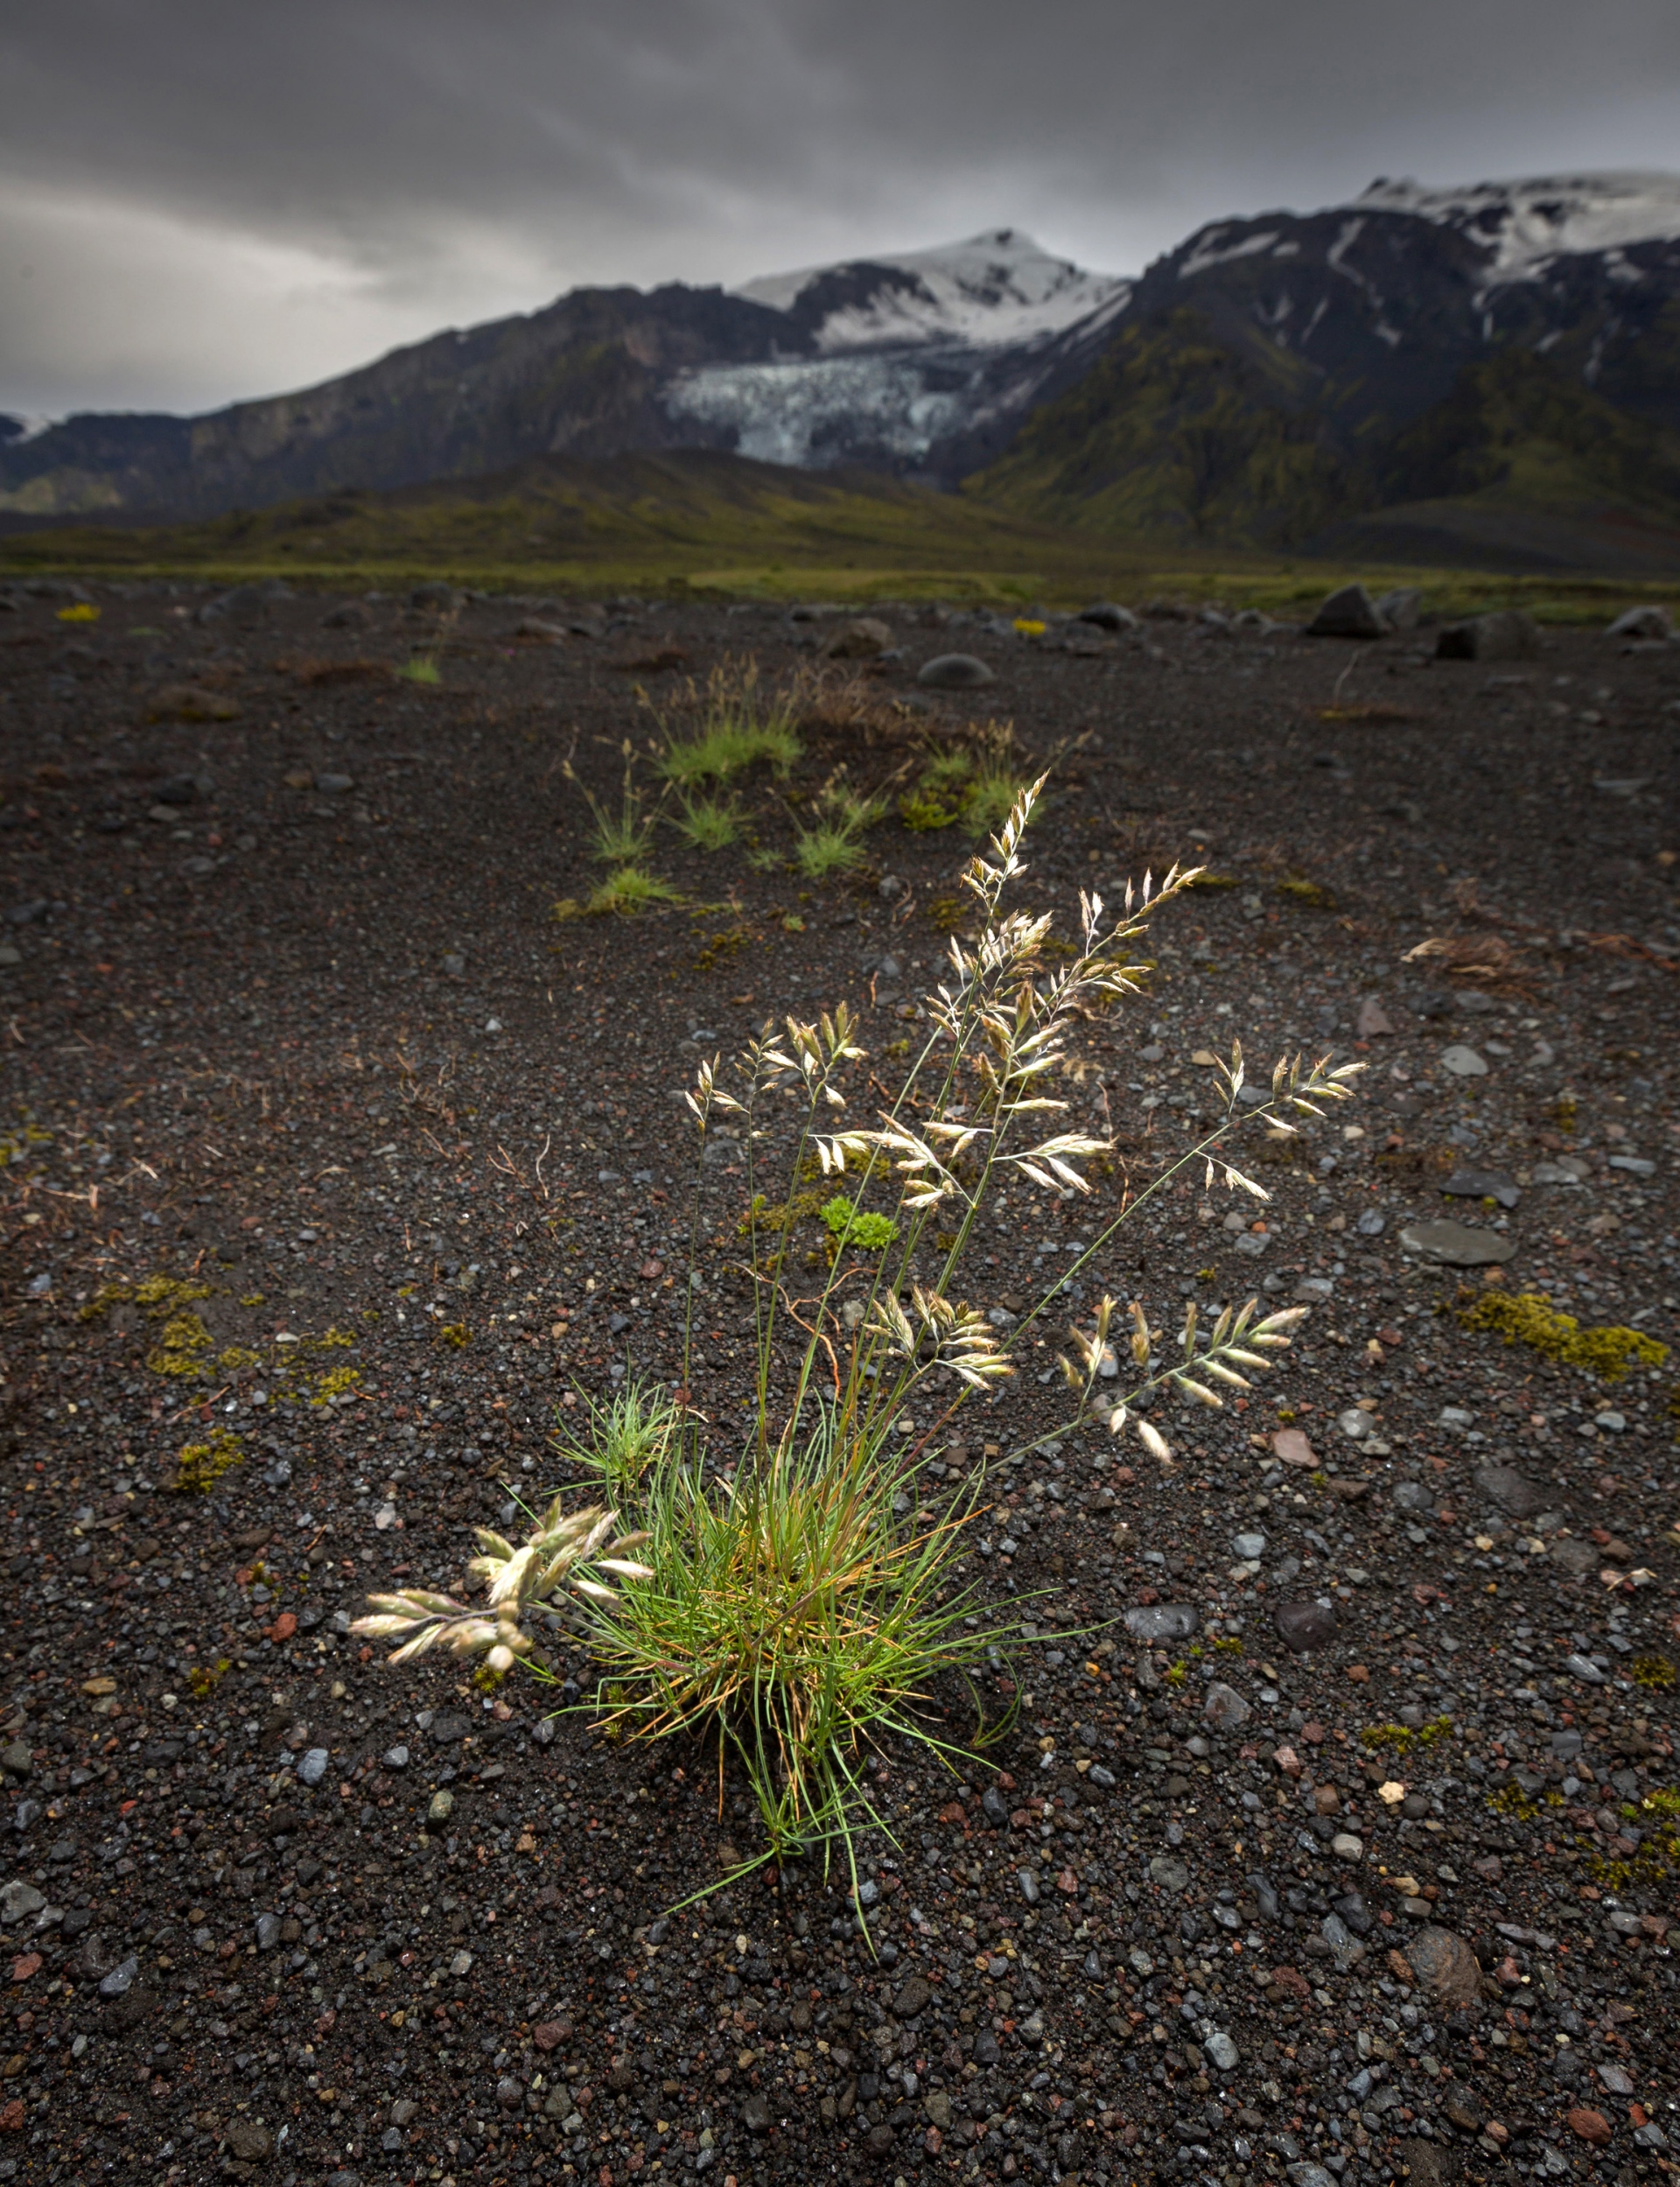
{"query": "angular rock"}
(312, 1768)
(1305, 1626)
(1169, 1872)
(1156, 1622)
(1505, 635)
(1373, 1020)
(1225, 1708)
(1349, 612)
(914, 1998)
(1463, 1062)
(120, 1979)
(860, 640)
(1223, 2052)
(249, 2142)
(954, 672)
(1456, 1244)
(755, 2114)
(1483, 1184)
(1291, 1445)
(17, 1902)
(1575, 1557)
(1511, 1491)
(1444, 1966)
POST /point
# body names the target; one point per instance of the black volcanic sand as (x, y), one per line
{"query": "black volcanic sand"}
(287, 1020)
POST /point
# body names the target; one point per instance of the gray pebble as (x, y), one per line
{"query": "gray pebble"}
(312, 1768)
(119, 1980)
(1028, 1880)
(395, 1758)
(268, 1932)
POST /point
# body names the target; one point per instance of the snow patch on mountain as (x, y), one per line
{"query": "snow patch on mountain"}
(1524, 225)
(989, 291)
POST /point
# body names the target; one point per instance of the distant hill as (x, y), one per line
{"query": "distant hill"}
(1490, 374)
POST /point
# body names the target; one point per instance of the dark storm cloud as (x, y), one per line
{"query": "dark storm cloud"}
(198, 201)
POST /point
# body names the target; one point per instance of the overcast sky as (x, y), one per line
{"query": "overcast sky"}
(200, 200)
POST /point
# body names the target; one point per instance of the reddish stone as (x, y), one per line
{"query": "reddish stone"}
(11, 2119)
(549, 2034)
(26, 1964)
(283, 1626)
(1592, 2126)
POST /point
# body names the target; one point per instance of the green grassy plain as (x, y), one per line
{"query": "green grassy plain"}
(718, 526)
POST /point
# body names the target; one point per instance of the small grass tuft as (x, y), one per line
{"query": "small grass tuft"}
(708, 824)
(421, 669)
(630, 890)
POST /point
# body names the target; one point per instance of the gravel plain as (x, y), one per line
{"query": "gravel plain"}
(1337, 1837)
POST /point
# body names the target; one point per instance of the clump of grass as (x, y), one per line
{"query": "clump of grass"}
(791, 1599)
(631, 889)
(708, 824)
(869, 1233)
(618, 1440)
(976, 784)
(791, 1613)
(732, 724)
(834, 842)
(421, 668)
(1529, 1318)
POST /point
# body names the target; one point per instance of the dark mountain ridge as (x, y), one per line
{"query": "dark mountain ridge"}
(1270, 379)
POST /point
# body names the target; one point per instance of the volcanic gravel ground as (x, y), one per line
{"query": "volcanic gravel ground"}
(336, 1163)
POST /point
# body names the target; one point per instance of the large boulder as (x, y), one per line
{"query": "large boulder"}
(954, 672)
(1107, 616)
(1508, 634)
(858, 641)
(1350, 613)
(1649, 621)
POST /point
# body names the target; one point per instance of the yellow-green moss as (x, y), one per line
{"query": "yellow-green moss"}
(199, 1464)
(1401, 1738)
(237, 1358)
(1311, 896)
(451, 1333)
(181, 1348)
(1529, 1318)
(336, 1384)
(1655, 1672)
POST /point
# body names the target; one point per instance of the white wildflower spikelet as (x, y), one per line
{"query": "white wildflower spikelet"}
(555, 1561)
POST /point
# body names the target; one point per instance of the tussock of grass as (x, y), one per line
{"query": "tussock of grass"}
(423, 669)
(631, 889)
(729, 725)
(792, 1614)
(708, 824)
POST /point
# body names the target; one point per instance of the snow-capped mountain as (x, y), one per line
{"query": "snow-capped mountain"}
(1523, 227)
(990, 290)
(907, 356)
